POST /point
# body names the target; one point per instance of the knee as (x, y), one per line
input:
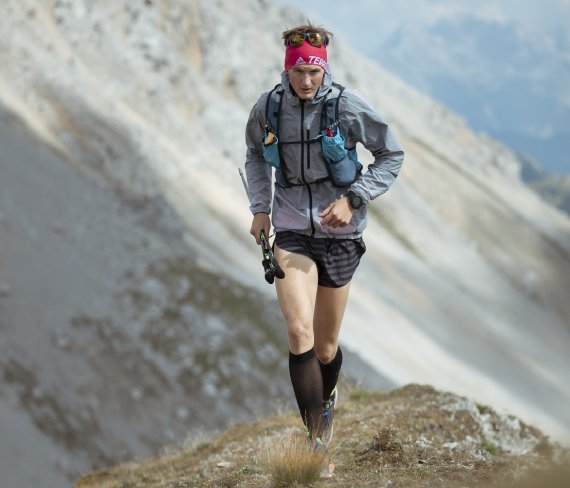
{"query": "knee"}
(325, 352)
(300, 335)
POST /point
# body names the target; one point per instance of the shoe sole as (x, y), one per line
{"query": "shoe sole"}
(327, 472)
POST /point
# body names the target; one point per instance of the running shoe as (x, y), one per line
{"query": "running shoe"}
(327, 416)
(319, 447)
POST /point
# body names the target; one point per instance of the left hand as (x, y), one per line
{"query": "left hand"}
(337, 214)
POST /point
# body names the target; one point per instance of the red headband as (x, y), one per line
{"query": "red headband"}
(306, 53)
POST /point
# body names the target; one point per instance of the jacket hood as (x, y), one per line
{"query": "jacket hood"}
(294, 99)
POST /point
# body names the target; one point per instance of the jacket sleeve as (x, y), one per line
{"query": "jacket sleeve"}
(258, 172)
(364, 125)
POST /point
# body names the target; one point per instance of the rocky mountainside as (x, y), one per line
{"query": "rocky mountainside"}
(132, 305)
(506, 79)
(555, 189)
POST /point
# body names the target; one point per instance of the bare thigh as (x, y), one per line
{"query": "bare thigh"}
(329, 312)
(297, 294)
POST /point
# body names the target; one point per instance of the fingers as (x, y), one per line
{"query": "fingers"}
(327, 210)
(255, 232)
(327, 215)
(337, 214)
(260, 223)
(334, 223)
(329, 220)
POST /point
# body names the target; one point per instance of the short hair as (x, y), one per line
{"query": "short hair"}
(304, 29)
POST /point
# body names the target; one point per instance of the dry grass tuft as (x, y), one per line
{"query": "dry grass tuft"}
(292, 462)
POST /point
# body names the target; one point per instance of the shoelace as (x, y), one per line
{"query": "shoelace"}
(328, 407)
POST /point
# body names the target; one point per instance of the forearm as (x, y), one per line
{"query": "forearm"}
(259, 183)
(380, 175)
(367, 127)
(258, 172)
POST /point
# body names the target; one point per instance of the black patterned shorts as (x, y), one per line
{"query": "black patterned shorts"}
(336, 259)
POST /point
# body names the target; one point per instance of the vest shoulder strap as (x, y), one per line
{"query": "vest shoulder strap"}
(329, 115)
(273, 107)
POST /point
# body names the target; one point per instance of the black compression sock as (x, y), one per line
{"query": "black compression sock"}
(308, 387)
(330, 374)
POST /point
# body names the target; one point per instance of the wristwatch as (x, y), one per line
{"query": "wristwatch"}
(355, 200)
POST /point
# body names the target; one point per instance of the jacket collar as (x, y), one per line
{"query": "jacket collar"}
(294, 99)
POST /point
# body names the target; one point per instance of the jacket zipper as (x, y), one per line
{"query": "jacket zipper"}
(308, 166)
(308, 149)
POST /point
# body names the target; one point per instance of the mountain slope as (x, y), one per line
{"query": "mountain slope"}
(507, 80)
(129, 276)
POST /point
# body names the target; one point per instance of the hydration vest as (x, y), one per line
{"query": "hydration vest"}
(342, 163)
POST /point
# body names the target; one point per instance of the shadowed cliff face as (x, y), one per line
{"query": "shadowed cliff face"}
(181, 350)
(114, 341)
(132, 302)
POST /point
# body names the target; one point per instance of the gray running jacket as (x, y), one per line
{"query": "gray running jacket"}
(297, 208)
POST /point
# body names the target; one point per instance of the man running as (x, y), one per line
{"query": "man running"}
(306, 130)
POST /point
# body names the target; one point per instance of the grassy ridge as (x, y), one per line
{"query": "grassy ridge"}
(414, 436)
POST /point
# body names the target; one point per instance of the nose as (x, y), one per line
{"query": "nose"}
(306, 80)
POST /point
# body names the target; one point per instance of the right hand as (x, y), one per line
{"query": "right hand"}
(260, 223)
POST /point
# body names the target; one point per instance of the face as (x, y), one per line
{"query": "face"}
(306, 79)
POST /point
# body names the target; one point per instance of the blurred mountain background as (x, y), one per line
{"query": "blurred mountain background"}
(503, 66)
(133, 310)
